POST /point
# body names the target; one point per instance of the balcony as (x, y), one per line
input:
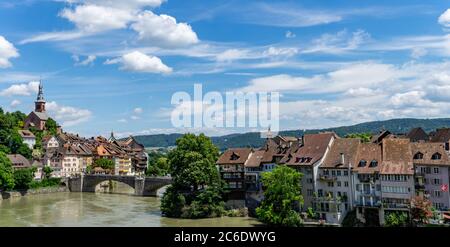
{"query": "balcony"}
(328, 178)
(396, 205)
(375, 204)
(420, 187)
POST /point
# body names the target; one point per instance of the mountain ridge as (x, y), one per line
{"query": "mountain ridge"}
(252, 139)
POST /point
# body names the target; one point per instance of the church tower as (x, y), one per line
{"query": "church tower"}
(40, 101)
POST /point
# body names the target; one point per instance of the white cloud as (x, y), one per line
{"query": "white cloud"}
(122, 120)
(139, 62)
(135, 117)
(128, 4)
(15, 103)
(418, 52)
(275, 51)
(55, 36)
(351, 76)
(7, 51)
(88, 61)
(67, 115)
(138, 110)
(410, 99)
(444, 19)
(290, 35)
(163, 30)
(24, 89)
(339, 42)
(93, 18)
(232, 54)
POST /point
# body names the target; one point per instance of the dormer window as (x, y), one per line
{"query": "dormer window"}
(234, 156)
(436, 156)
(362, 163)
(308, 159)
(418, 156)
(373, 163)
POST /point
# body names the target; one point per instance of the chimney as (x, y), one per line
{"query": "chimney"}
(342, 158)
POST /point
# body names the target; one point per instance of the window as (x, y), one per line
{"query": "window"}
(373, 163)
(326, 172)
(338, 173)
(436, 170)
(436, 156)
(309, 180)
(418, 156)
(309, 192)
(330, 184)
(333, 173)
(320, 193)
(362, 163)
(358, 187)
(345, 173)
(436, 181)
(346, 184)
(437, 193)
(338, 183)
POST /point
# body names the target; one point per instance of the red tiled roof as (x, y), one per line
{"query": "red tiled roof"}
(397, 157)
(368, 152)
(346, 146)
(313, 149)
(241, 155)
(427, 150)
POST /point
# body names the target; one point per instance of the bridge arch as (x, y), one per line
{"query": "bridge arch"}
(143, 186)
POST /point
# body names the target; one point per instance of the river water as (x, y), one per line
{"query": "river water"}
(98, 209)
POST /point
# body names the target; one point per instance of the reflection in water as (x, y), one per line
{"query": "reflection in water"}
(97, 209)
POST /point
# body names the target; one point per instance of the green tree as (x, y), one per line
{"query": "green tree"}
(47, 172)
(197, 189)
(159, 168)
(51, 126)
(24, 177)
(282, 197)
(365, 137)
(396, 219)
(104, 163)
(6, 173)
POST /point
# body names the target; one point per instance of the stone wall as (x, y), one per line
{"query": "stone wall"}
(8, 194)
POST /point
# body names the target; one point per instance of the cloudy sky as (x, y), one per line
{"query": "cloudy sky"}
(114, 65)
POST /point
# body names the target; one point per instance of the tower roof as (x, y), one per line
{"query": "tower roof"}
(40, 96)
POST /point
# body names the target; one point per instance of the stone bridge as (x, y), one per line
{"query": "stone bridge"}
(143, 186)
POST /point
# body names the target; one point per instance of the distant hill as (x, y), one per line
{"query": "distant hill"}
(252, 139)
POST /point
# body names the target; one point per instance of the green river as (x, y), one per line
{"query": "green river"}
(97, 209)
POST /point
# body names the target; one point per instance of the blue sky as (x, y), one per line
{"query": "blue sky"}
(114, 65)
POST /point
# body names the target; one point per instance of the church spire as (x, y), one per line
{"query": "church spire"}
(40, 96)
(40, 101)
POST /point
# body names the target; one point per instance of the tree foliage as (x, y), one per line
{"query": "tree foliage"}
(421, 210)
(104, 163)
(6, 172)
(365, 137)
(51, 126)
(282, 197)
(396, 219)
(196, 191)
(23, 178)
(47, 170)
(158, 164)
(10, 140)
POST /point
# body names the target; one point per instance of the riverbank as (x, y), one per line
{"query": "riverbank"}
(20, 193)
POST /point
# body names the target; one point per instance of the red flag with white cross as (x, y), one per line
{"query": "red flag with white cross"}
(444, 187)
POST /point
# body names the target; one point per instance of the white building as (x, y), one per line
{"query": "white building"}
(28, 138)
